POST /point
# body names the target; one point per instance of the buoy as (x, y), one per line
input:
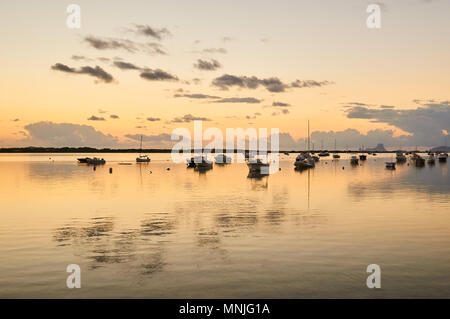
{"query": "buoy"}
(95, 168)
(110, 170)
(342, 167)
(150, 172)
(279, 169)
(168, 168)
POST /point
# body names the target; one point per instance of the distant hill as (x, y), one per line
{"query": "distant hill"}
(441, 149)
(378, 148)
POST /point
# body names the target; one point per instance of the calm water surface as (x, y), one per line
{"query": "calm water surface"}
(145, 231)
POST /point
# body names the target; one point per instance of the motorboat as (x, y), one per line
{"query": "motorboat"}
(143, 159)
(336, 156)
(390, 165)
(324, 154)
(203, 164)
(400, 157)
(431, 159)
(83, 160)
(258, 168)
(354, 160)
(362, 157)
(442, 157)
(223, 159)
(420, 161)
(304, 161)
(95, 161)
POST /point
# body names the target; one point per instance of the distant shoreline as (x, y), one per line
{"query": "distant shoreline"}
(132, 150)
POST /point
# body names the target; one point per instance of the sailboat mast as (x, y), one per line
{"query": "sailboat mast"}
(308, 137)
(140, 150)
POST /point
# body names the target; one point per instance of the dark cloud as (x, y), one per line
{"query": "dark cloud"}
(205, 65)
(126, 65)
(148, 31)
(114, 116)
(426, 122)
(309, 83)
(96, 118)
(96, 71)
(272, 84)
(197, 96)
(387, 106)
(153, 119)
(158, 75)
(67, 134)
(280, 104)
(124, 44)
(189, 118)
(250, 100)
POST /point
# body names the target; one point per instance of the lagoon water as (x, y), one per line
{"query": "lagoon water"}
(179, 233)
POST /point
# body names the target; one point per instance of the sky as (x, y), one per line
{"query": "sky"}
(147, 67)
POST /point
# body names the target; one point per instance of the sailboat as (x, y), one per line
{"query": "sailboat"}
(142, 158)
(336, 155)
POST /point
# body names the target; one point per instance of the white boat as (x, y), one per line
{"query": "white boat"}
(400, 157)
(223, 159)
(442, 157)
(142, 158)
(390, 165)
(354, 160)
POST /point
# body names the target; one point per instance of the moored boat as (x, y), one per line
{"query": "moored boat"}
(390, 165)
(354, 160)
(304, 161)
(257, 167)
(442, 157)
(431, 159)
(362, 157)
(223, 159)
(400, 157)
(83, 160)
(95, 161)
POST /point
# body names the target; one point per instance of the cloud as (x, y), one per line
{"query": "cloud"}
(189, 118)
(426, 122)
(67, 134)
(280, 104)
(81, 58)
(96, 72)
(197, 96)
(250, 100)
(113, 116)
(124, 44)
(158, 75)
(309, 83)
(272, 84)
(153, 119)
(158, 34)
(96, 118)
(215, 50)
(125, 65)
(204, 65)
